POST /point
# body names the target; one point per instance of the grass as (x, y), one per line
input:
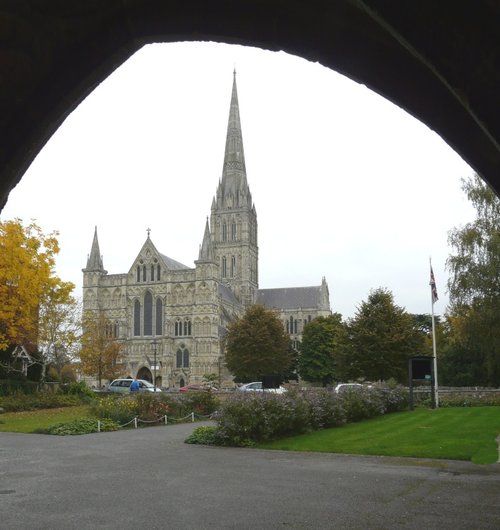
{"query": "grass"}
(447, 433)
(30, 420)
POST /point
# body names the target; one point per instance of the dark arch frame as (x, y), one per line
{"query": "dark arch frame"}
(440, 61)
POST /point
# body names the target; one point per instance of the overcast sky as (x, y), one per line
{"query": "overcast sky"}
(346, 184)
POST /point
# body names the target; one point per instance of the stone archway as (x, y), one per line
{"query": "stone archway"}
(436, 60)
(145, 373)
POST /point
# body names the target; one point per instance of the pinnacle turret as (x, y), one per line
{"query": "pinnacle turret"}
(206, 249)
(94, 259)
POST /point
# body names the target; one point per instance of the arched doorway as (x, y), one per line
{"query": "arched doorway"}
(145, 373)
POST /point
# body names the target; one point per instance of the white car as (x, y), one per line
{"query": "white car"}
(256, 386)
(346, 387)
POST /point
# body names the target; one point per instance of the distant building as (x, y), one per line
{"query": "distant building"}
(186, 310)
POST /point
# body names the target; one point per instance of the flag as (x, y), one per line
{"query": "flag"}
(434, 292)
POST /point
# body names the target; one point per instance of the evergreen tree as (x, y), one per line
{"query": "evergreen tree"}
(323, 345)
(383, 337)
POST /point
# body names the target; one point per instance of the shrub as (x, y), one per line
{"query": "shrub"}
(82, 426)
(18, 401)
(11, 386)
(204, 436)
(244, 419)
(120, 409)
(325, 409)
(80, 389)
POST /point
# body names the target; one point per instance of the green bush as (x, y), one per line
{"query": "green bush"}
(204, 436)
(80, 389)
(82, 426)
(12, 386)
(252, 417)
(19, 402)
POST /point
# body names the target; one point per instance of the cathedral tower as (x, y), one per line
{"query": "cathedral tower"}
(233, 218)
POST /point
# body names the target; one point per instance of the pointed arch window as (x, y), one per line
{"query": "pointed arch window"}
(144, 273)
(233, 231)
(159, 317)
(224, 231)
(158, 272)
(233, 266)
(138, 274)
(148, 313)
(224, 267)
(182, 357)
(182, 328)
(137, 318)
(152, 273)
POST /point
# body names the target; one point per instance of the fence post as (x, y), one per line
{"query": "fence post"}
(98, 425)
(135, 422)
(166, 420)
(192, 417)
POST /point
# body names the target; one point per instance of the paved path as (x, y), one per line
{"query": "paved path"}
(150, 479)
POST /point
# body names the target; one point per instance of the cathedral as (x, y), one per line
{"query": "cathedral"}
(171, 318)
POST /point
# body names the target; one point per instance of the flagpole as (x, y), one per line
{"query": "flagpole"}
(434, 297)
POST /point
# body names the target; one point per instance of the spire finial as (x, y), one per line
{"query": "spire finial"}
(148, 230)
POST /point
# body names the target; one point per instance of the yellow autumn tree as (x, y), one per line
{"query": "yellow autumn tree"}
(28, 283)
(101, 353)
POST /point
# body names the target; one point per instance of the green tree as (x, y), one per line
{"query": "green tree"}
(474, 283)
(257, 345)
(323, 344)
(382, 338)
(101, 352)
(59, 328)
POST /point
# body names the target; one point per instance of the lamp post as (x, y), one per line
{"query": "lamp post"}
(154, 343)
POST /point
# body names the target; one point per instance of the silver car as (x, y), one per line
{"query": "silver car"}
(123, 385)
(256, 386)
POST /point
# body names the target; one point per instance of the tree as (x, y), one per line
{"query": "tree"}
(101, 352)
(474, 283)
(59, 328)
(383, 337)
(29, 287)
(257, 345)
(324, 341)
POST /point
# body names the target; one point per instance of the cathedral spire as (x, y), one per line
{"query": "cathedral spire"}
(94, 260)
(206, 250)
(233, 189)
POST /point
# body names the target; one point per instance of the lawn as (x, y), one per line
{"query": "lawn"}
(33, 419)
(448, 433)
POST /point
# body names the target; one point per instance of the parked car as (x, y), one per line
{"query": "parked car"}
(123, 385)
(256, 386)
(197, 387)
(345, 387)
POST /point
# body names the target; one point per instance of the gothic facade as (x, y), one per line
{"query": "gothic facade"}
(177, 315)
